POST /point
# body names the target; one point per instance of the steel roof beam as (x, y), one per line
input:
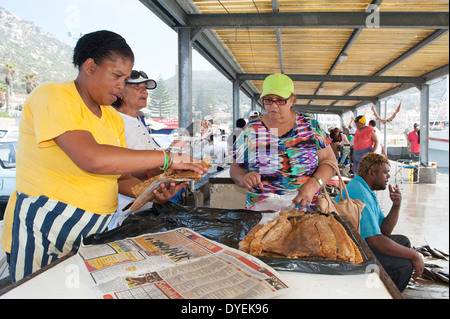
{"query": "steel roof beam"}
(278, 33)
(334, 20)
(168, 11)
(355, 34)
(334, 107)
(416, 48)
(372, 99)
(319, 109)
(337, 78)
(430, 76)
(335, 97)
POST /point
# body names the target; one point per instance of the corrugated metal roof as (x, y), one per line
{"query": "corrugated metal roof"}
(253, 38)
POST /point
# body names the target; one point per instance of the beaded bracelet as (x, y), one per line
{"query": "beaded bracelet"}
(164, 167)
(168, 161)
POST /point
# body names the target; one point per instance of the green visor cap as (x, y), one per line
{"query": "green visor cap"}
(278, 84)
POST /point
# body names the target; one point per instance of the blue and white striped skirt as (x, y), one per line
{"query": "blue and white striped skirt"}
(44, 230)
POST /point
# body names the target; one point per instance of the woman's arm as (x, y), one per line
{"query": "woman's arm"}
(387, 246)
(375, 141)
(126, 182)
(244, 179)
(96, 158)
(324, 172)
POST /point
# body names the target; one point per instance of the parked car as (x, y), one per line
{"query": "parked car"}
(9, 133)
(163, 140)
(8, 149)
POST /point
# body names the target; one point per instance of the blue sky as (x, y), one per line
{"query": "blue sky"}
(153, 42)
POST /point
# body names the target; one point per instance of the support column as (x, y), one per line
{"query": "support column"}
(184, 78)
(253, 105)
(236, 88)
(378, 110)
(424, 122)
(385, 127)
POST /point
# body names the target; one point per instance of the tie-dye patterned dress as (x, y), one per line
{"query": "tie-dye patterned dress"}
(285, 163)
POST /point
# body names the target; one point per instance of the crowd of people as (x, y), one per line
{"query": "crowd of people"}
(79, 157)
(351, 143)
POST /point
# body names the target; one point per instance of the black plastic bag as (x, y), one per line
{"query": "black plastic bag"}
(226, 226)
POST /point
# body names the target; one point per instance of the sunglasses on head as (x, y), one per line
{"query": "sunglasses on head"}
(137, 74)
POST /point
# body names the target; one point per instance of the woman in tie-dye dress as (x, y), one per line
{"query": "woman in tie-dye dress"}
(280, 151)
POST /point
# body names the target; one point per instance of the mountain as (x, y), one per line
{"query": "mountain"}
(210, 82)
(33, 50)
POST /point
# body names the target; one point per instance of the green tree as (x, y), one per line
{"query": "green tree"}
(10, 71)
(160, 105)
(204, 103)
(2, 95)
(31, 81)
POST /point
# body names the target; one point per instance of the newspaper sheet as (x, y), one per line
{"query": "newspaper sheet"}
(178, 264)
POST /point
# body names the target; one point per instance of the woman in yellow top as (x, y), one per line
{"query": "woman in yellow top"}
(72, 158)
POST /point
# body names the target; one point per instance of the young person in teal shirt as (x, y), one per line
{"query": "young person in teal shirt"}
(392, 251)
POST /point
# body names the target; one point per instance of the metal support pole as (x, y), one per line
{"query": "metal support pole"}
(184, 78)
(378, 110)
(253, 105)
(236, 88)
(385, 127)
(424, 122)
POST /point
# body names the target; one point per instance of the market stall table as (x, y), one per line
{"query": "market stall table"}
(67, 278)
(70, 277)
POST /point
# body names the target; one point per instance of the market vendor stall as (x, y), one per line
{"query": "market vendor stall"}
(72, 277)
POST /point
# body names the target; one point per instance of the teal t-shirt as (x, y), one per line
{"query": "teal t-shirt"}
(372, 216)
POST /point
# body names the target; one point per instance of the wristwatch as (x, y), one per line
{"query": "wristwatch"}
(318, 180)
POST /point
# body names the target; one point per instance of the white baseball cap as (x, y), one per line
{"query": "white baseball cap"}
(254, 113)
(139, 77)
(208, 118)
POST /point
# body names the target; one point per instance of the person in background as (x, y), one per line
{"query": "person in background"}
(340, 146)
(336, 141)
(344, 138)
(253, 115)
(392, 251)
(365, 141)
(414, 141)
(240, 124)
(345, 130)
(350, 137)
(206, 147)
(129, 105)
(351, 129)
(72, 158)
(380, 149)
(216, 151)
(207, 126)
(279, 152)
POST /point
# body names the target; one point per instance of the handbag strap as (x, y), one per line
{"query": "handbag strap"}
(334, 165)
(341, 182)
